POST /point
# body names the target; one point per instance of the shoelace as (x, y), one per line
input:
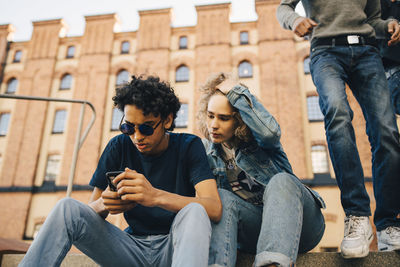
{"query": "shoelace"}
(355, 226)
(393, 231)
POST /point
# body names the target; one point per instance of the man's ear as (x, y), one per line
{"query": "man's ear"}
(168, 121)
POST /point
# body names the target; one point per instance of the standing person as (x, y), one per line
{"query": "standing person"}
(266, 208)
(391, 54)
(166, 192)
(344, 51)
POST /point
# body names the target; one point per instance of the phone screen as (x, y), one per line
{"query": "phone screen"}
(110, 177)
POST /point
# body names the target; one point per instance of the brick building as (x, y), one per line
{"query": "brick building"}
(37, 138)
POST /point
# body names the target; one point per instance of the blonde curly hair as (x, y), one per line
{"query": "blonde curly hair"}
(242, 131)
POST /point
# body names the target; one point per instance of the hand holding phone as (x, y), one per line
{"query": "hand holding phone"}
(110, 177)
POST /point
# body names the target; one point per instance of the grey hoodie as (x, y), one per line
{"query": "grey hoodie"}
(337, 17)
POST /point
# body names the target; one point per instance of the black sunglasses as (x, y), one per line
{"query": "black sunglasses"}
(129, 128)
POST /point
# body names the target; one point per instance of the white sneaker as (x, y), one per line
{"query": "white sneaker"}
(389, 239)
(357, 237)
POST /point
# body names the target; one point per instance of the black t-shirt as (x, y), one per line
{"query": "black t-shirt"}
(177, 170)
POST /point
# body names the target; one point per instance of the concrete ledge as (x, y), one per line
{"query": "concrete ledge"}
(334, 259)
(317, 259)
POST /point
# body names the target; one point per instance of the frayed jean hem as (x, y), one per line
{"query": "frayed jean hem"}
(266, 257)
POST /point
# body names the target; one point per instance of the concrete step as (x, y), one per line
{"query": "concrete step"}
(316, 259)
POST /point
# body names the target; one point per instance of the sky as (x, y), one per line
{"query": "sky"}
(21, 13)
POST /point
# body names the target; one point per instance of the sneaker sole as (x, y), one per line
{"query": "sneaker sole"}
(363, 254)
(386, 247)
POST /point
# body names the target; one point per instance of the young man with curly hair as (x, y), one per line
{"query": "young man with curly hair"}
(166, 191)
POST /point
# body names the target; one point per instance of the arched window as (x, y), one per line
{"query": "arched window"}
(66, 82)
(306, 65)
(17, 56)
(245, 69)
(12, 86)
(125, 46)
(313, 109)
(183, 42)
(70, 51)
(122, 77)
(182, 74)
(244, 38)
(319, 159)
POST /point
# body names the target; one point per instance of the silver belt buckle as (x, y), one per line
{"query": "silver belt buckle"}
(353, 39)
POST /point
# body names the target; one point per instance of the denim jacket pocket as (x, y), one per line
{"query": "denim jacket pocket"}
(317, 197)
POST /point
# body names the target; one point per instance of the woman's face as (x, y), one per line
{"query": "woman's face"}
(220, 121)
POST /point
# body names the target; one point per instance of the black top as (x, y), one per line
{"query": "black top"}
(177, 170)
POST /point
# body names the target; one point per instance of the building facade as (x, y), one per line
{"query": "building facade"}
(37, 138)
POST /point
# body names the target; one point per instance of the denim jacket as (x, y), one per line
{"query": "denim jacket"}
(262, 158)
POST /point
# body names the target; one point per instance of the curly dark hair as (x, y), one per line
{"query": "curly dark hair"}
(150, 95)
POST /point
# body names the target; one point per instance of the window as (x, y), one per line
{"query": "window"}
(116, 119)
(306, 65)
(319, 159)
(70, 51)
(4, 120)
(36, 229)
(182, 74)
(66, 82)
(59, 121)
(52, 167)
(122, 77)
(183, 42)
(245, 70)
(125, 45)
(313, 109)
(181, 120)
(244, 38)
(12, 86)
(17, 56)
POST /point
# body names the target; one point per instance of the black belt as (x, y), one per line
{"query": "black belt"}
(344, 40)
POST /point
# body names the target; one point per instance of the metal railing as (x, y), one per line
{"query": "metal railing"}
(79, 140)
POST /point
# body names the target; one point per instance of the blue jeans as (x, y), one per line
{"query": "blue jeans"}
(394, 87)
(72, 222)
(290, 221)
(361, 68)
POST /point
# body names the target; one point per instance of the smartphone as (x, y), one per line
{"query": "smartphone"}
(110, 177)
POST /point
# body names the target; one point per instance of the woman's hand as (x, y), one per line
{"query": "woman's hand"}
(227, 85)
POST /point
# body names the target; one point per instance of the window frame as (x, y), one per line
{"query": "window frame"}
(182, 77)
(57, 173)
(186, 112)
(17, 56)
(2, 114)
(321, 165)
(314, 113)
(115, 119)
(55, 129)
(119, 83)
(11, 80)
(306, 70)
(245, 75)
(244, 41)
(68, 54)
(183, 45)
(123, 50)
(62, 82)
